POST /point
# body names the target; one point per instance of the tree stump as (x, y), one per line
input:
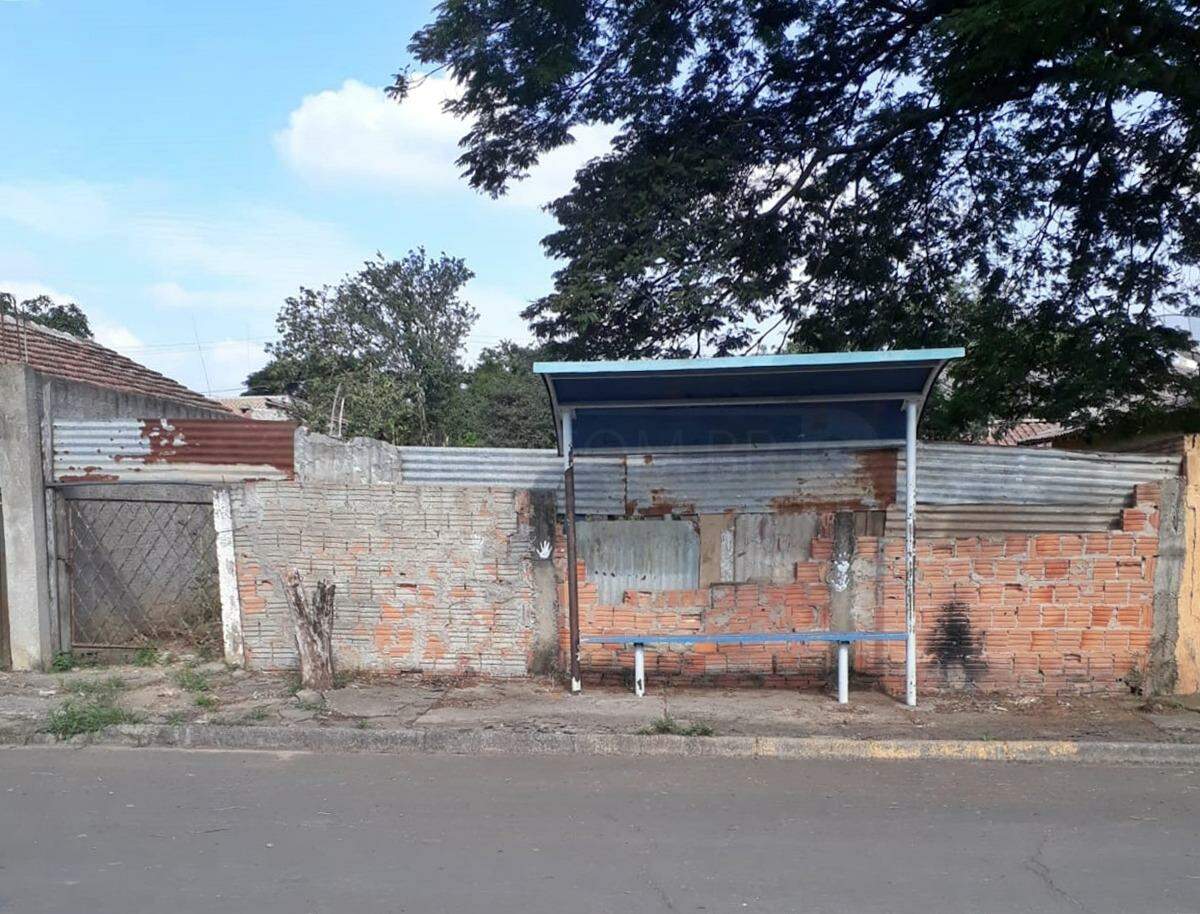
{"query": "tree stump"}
(313, 621)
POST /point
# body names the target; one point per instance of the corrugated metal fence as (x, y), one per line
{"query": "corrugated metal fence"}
(958, 482)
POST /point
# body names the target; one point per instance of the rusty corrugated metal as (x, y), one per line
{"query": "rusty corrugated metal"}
(622, 555)
(950, 521)
(781, 481)
(599, 481)
(964, 474)
(208, 451)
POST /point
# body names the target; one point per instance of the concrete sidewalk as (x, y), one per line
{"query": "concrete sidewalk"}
(175, 703)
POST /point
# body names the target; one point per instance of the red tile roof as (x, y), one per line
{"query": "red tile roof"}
(1030, 433)
(61, 355)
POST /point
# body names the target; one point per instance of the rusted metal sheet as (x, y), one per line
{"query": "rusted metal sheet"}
(985, 520)
(766, 547)
(622, 555)
(599, 481)
(206, 451)
(964, 474)
(764, 481)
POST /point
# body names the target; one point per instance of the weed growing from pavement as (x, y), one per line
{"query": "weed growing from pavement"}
(66, 661)
(105, 688)
(86, 715)
(147, 656)
(669, 726)
(191, 679)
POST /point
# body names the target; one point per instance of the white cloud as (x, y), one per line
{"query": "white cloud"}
(499, 318)
(117, 337)
(357, 135)
(72, 209)
(23, 290)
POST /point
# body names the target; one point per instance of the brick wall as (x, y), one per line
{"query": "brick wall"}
(1046, 613)
(441, 579)
(428, 578)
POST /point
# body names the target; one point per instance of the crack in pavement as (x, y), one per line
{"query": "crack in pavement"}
(1038, 867)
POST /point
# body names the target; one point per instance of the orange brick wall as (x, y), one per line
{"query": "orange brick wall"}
(429, 578)
(1050, 613)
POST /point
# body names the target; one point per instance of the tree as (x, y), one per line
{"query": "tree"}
(41, 309)
(832, 174)
(506, 404)
(383, 346)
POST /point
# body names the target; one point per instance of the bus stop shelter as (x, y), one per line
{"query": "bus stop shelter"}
(848, 400)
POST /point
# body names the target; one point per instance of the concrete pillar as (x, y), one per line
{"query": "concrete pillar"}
(23, 490)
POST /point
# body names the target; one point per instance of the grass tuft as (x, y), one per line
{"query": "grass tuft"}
(100, 689)
(191, 679)
(669, 726)
(86, 715)
(147, 656)
(207, 702)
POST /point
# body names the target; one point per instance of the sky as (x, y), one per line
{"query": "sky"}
(178, 169)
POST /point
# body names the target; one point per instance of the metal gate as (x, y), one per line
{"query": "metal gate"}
(141, 572)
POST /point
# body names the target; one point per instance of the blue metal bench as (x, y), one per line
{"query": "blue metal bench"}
(842, 639)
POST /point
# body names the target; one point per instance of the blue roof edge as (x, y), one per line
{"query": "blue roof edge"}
(736, 362)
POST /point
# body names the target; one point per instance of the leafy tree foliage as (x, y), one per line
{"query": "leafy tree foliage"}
(41, 309)
(506, 404)
(380, 352)
(834, 174)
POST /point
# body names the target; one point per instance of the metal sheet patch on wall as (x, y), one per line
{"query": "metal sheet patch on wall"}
(211, 451)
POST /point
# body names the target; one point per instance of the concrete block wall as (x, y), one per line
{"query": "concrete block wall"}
(431, 579)
(1046, 613)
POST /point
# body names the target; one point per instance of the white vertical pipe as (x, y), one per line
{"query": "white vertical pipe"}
(910, 553)
(568, 441)
(843, 674)
(639, 670)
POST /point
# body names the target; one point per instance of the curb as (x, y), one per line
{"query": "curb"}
(502, 742)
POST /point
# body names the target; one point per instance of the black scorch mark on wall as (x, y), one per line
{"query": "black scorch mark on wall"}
(955, 646)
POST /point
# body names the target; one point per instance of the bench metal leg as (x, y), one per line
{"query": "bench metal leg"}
(843, 674)
(639, 670)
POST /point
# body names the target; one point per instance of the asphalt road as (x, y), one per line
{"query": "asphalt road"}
(127, 831)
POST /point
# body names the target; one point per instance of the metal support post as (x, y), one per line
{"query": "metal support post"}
(843, 673)
(910, 553)
(572, 569)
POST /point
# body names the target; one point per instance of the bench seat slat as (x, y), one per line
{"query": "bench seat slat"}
(747, 638)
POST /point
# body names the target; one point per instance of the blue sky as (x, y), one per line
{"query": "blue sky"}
(178, 168)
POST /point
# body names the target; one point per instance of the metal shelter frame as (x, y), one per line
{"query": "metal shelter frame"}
(853, 400)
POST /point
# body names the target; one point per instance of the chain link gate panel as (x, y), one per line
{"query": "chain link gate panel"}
(142, 572)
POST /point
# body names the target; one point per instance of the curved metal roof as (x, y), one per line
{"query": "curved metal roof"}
(814, 399)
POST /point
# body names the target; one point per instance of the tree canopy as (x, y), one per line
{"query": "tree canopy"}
(1021, 177)
(41, 309)
(380, 352)
(505, 403)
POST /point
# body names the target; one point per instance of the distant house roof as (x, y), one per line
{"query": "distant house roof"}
(269, 407)
(61, 355)
(1029, 433)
